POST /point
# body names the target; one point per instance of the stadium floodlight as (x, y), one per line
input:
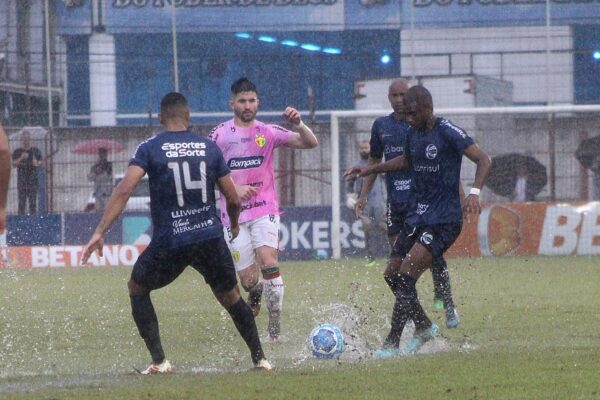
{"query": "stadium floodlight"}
(332, 50)
(243, 35)
(268, 39)
(310, 47)
(291, 43)
(385, 58)
(596, 55)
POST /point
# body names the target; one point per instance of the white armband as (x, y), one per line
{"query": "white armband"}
(475, 191)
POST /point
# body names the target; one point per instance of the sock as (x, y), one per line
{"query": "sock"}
(441, 282)
(273, 290)
(241, 314)
(147, 324)
(393, 281)
(402, 311)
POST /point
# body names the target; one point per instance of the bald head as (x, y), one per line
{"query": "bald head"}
(396, 92)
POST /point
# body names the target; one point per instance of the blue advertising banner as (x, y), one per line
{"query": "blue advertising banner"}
(304, 231)
(155, 16)
(475, 13)
(74, 17)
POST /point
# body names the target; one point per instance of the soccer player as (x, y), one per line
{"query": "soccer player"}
(5, 164)
(434, 150)
(183, 169)
(248, 146)
(388, 140)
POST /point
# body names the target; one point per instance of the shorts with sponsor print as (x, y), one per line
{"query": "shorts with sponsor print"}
(263, 231)
(435, 238)
(156, 267)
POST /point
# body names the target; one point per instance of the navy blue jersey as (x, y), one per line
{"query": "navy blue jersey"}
(435, 161)
(183, 169)
(388, 140)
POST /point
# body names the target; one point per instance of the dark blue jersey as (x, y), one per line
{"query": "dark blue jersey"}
(183, 169)
(435, 161)
(388, 140)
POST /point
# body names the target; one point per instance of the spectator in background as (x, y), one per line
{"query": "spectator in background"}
(595, 168)
(27, 159)
(373, 213)
(101, 174)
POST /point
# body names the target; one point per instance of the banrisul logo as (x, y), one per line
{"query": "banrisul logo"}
(245, 162)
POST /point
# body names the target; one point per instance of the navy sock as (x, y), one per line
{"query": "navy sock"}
(147, 324)
(403, 307)
(441, 281)
(246, 325)
(393, 281)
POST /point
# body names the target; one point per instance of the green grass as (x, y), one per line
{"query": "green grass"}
(529, 331)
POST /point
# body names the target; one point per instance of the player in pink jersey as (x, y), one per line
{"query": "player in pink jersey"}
(248, 147)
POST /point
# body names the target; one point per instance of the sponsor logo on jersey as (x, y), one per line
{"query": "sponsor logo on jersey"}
(431, 151)
(245, 162)
(427, 168)
(260, 140)
(184, 149)
(402, 184)
(422, 208)
(393, 149)
(455, 128)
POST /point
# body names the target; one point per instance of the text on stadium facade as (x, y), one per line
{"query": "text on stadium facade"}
(217, 3)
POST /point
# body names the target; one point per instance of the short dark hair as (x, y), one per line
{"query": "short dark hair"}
(420, 95)
(172, 104)
(243, 85)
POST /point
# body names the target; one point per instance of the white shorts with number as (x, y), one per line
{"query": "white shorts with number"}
(263, 231)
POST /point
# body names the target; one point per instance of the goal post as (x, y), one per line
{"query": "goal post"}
(549, 133)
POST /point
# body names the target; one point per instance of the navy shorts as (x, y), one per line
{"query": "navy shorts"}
(156, 267)
(435, 238)
(396, 215)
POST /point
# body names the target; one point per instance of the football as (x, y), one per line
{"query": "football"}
(326, 341)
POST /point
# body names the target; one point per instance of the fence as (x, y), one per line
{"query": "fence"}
(550, 135)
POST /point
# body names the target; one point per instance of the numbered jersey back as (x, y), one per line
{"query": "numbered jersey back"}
(183, 169)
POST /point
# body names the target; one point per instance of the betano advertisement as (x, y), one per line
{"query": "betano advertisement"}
(501, 230)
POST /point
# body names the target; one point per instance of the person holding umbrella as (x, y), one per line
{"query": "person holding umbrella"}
(101, 174)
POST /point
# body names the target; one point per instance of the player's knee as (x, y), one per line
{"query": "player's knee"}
(248, 282)
(136, 289)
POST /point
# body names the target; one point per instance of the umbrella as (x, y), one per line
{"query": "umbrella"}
(588, 149)
(505, 168)
(92, 146)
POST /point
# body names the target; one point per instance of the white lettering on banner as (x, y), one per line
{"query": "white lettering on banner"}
(357, 230)
(298, 235)
(320, 235)
(69, 256)
(590, 230)
(560, 235)
(217, 3)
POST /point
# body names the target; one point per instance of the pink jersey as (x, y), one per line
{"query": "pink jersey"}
(248, 153)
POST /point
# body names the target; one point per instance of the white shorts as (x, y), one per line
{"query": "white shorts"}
(263, 231)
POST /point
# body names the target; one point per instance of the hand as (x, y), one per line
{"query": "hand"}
(351, 200)
(472, 205)
(95, 244)
(292, 115)
(246, 191)
(354, 171)
(234, 231)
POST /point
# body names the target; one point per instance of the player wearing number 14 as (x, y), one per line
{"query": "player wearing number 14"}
(183, 169)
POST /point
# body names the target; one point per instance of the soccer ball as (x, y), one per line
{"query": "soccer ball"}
(326, 341)
(321, 254)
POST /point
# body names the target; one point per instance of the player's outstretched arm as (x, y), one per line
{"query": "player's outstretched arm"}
(304, 138)
(366, 188)
(114, 208)
(232, 201)
(5, 164)
(472, 204)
